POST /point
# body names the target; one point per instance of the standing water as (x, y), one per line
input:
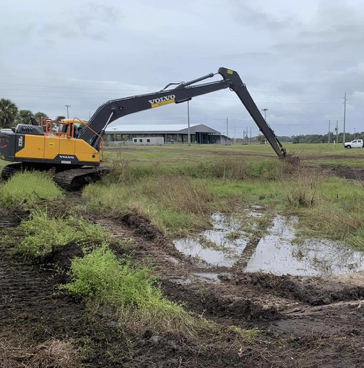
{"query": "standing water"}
(226, 246)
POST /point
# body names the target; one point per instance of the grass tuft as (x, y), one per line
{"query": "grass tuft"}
(132, 291)
(29, 187)
(42, 232)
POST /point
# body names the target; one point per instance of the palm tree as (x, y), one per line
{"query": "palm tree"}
(8, 112)
(24, 116)
(40, 115)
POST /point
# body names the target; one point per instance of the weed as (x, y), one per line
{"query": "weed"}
(29, 187)
(132, 290)
(41, 233)
(303, 192)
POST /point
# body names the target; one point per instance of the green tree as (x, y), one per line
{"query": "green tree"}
(59, 118)
(24, 116)
(8, 112)
(40, 115)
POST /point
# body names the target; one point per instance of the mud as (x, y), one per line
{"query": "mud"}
(302, 321)
(313, 291)
(347, 172)
(12, 216)
(142, 226)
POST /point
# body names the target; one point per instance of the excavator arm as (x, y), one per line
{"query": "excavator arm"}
(185, 91)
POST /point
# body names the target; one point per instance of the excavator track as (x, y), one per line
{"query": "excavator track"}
(9, 170)
(76, 179)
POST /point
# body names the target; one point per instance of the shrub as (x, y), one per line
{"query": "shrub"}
(29, 187)
(41, 233)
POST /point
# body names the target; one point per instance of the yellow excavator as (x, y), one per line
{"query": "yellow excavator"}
(74, 148)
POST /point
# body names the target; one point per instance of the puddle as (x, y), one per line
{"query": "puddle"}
(276, 253)
(216, 246)
(226, 246)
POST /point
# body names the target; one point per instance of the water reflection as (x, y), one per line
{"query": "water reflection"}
(225, 245)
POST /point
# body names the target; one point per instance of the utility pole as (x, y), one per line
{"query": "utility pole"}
(250, 139)
(344, 118)
(227, 130)
(67, 107)
(188, 120)
(328, 135)
(337, 131)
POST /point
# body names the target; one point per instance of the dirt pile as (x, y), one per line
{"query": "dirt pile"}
(313, 291)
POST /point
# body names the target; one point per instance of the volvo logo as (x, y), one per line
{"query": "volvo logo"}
(162, 100)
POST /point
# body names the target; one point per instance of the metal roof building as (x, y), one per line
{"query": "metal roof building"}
(199, 133)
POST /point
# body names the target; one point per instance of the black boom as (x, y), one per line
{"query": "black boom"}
(182, 92)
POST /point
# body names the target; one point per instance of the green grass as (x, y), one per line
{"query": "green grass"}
(152, 181)
(29, 188)
(103, 278)
(41, 232)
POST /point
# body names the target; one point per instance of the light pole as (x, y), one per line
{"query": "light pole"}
(345, 99)
(67, 107)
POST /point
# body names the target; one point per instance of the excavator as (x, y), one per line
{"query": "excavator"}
(74, 148)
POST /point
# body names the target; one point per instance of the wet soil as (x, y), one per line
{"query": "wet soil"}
(347, 172)
(303, 321)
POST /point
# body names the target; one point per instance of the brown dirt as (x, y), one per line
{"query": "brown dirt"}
(353, 173)
(303, 322)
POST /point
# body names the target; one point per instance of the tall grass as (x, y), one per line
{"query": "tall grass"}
(179, 198)
(230, 168)
(29, 187)
(175, 205)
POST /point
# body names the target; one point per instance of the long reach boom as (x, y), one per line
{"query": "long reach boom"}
(180, 92)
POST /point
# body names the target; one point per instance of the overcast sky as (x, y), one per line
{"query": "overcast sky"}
(297, 58)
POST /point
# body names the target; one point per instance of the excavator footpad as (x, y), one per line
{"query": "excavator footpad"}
(76, 179)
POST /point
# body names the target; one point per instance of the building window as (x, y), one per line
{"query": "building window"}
(141, 140)
(148, 140)
(135, 140)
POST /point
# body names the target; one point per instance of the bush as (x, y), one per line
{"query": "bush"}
(41, 233)
(29, 187)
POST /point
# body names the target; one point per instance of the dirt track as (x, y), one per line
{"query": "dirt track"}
(304, 322)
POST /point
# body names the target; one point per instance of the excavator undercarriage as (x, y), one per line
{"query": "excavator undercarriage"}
(74, 148)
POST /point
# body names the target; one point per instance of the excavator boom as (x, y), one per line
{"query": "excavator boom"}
(115, 109)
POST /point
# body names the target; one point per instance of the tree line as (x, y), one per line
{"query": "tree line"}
(321, 138)
(10, 114)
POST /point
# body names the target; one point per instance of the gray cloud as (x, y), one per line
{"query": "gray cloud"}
(297, 58)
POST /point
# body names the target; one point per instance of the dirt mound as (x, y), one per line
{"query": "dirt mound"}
(142, 226)
(353, 173)
(313, 291)
(61, 255)
(12, 216)
(214, 305)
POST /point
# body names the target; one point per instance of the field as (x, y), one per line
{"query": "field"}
(202, 256)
